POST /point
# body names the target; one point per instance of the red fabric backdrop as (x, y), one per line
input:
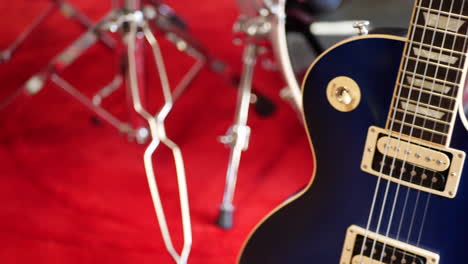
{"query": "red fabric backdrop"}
(74, 192)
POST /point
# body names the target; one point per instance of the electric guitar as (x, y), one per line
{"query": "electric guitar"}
(388, 133)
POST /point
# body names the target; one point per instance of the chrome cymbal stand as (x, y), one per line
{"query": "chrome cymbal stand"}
(260, 29)
(253, 32)
(68, 10)
(138, 23)
(160, 17)
(63, 60)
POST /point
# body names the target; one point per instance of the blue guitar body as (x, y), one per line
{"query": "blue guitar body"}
(311, 227)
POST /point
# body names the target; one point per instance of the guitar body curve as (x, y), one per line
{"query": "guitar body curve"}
(311, 227)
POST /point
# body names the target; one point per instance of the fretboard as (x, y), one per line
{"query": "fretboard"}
(433, 67)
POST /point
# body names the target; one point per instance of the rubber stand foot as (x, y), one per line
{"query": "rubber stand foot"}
(96, 121)
(225, 219)
(264, 106)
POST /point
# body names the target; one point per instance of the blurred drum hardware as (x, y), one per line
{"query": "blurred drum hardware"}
(161, 17)
(254, 29)
(135, 21)
(67, 10)
(264, 26)
(136, 25)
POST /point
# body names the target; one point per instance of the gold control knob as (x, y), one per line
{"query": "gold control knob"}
(344, 94)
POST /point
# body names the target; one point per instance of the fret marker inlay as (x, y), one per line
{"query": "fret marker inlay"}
(429, 85)
(434, 63)
(435, 56)
(443, 22)
(422, 110)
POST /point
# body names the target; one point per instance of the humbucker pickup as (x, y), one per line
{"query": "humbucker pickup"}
(359, 244)
(413, 163)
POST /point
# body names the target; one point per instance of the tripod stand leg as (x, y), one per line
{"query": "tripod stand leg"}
(35, 83)
(69, 11)
(108, 90)
(158, 135)
(101, 112)
(166, 20)
(6, 54)
(32, 86)
(176, 152)
(238, 135)
(188, 78)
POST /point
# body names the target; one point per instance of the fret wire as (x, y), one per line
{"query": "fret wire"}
(447, 111)
(420, 112)
(420, 134)
(411, 134)
(440, 31)
(444, 12)
(422, 116)
(429, 70)
(429, 92)
(425, 97)
(444, 5)
(461, 17)
(456, 7)
(433, 63)
(421, 128)
(423, 122)
(430, 78)
(459, 91)
(420, 36)
(462, 61)
(403, 72)
(437, 47)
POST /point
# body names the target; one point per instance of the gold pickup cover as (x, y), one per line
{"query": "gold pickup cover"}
(434, 159)
(354, 231)
(358, 259)
(415, 154)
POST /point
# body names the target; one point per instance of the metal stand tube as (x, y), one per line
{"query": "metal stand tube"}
(238, 135)
(6, 54)
(158, 135)
(68, 11)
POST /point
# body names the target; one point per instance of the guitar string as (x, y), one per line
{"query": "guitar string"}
(428, 199)
(408, 190)
(433, 179)
(446, 118)
(413, 122)
(413, 127)
(417, 107)
(422, 179)
(397, 147)
(376, 191)
(432, 138)
(453, 95)
(392, 166)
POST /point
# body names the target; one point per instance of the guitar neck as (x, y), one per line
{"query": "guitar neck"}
(433, 68)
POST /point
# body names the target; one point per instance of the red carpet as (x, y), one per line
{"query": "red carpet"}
(74, 192)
